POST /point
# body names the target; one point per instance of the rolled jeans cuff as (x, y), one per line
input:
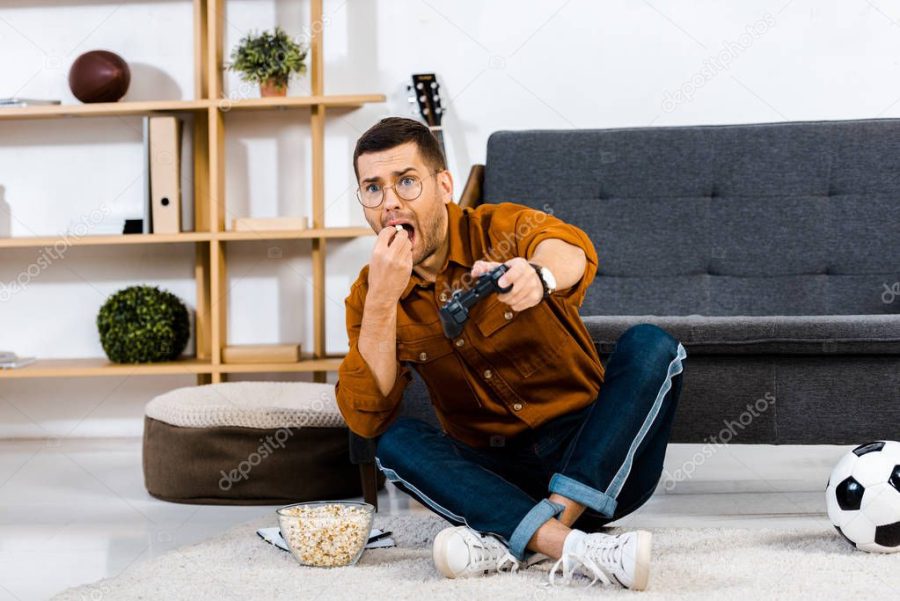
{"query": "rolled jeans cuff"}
(581, 493)
(534, 519)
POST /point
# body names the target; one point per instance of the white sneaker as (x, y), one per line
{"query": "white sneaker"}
(624, 558)
(460, 552)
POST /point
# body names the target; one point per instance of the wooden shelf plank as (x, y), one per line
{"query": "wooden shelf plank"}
(101, 366)
(104, 240)
(183, 237)
(319, 232)
(100, 109)
(296, 102)
(143, 107)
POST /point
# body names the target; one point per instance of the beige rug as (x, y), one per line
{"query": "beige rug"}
(709, 563)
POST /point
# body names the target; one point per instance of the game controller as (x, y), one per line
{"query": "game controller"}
(455, 312)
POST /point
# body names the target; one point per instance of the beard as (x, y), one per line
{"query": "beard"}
(431, 236)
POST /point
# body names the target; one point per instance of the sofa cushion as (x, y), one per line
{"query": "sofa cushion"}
(776, 334)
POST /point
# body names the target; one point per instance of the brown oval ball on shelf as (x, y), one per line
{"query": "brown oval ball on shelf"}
(99, 76)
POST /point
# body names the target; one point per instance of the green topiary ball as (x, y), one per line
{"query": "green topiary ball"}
(143, 324)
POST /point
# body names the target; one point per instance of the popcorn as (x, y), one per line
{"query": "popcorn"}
(326, 535)
(399, 227)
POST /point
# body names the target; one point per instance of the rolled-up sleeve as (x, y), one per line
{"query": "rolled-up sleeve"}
(531, 227)
(366, 410)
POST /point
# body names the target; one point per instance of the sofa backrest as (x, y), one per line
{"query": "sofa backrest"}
(769, 219)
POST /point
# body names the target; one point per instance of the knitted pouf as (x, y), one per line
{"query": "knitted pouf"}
(248, 443)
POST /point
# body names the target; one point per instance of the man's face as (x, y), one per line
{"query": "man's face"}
(425, 218)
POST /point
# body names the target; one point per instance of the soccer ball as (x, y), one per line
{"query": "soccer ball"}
(863, 497)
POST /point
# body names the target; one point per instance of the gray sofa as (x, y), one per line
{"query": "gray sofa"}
(771, 251)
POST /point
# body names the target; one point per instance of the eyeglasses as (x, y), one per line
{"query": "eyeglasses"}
(408, 187)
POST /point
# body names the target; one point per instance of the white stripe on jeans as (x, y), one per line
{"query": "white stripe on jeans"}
(675, 368)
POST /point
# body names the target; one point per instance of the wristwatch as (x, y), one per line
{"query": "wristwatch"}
(547, 279)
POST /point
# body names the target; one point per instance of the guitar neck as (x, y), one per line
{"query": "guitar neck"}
(439, 134)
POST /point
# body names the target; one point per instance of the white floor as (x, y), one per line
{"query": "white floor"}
(75, 511)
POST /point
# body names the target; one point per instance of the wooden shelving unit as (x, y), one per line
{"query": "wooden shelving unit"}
(210, 238)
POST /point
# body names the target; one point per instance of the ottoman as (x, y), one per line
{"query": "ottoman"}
(248, 443)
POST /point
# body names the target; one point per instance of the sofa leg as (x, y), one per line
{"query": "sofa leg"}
(368, 474)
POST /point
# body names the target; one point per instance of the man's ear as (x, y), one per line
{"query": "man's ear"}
(445, 185)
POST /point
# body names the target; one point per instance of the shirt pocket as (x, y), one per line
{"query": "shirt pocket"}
(528, 341)
(423, 351)
(433, 358)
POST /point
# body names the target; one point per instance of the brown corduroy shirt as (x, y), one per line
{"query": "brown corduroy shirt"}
(508, 371)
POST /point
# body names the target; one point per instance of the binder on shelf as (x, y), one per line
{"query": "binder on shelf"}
(145, 226)
(165, 175)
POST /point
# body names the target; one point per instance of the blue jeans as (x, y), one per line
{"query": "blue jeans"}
(607, 456)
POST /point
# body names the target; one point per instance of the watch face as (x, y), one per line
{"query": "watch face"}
(548, 277)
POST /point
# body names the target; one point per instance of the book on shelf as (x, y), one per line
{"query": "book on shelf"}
(10, 360)
(268, 224)
(261, 353)
(14, 101)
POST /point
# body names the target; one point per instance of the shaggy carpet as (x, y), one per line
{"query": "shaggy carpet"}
(688, 563)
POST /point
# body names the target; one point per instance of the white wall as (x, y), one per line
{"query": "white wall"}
(503, 65)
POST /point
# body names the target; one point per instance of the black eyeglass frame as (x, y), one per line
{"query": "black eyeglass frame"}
(385, 188)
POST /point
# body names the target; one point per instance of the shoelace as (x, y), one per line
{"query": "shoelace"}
(508, 558)
(609, 551)
(485, 552)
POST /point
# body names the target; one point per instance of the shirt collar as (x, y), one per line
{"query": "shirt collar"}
(459, 251)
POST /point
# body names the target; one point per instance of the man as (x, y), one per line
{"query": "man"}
(539, 442)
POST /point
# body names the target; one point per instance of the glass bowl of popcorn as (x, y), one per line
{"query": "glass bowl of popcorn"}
(326, 534)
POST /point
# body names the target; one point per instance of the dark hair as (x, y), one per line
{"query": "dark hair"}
(394, 131)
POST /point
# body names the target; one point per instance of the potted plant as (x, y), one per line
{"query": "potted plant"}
(269, 59)
(143, 324)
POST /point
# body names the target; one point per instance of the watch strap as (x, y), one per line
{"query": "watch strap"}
(537, 269)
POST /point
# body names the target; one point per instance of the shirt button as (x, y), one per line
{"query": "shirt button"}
(508, 315)
(423, 356)
(487, 374)
(459, 342)
(517, 406)
(444, 297)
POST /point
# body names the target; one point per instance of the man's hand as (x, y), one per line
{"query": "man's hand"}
(390, 266)
(527, 289)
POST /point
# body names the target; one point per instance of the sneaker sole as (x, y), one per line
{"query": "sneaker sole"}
(642, 561)
(440, 559)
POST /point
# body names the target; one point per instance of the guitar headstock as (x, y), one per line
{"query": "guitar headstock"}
(425, 91)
